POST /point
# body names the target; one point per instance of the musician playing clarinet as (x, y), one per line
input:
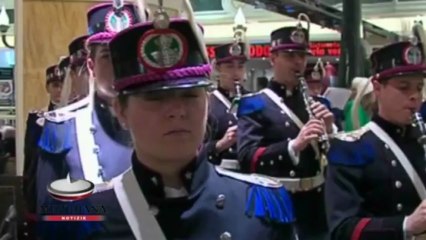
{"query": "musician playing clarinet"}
(376, 175)
(275, 131)
(222, 134)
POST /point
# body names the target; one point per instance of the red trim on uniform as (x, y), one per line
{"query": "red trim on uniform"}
(356, 235)
(255, 158)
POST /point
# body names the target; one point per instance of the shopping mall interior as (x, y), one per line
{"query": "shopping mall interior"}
(35, 34)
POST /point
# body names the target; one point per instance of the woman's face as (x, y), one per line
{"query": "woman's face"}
(166, 125)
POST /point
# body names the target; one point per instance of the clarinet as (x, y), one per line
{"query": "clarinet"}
(237, 98)
(323, 140)
(418, 123)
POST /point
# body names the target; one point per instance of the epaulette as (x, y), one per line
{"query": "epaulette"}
(40, 121)
(351, 136)
(59, 115)
(36, 117)
(67, 112)
(250, 103)
(348, 149)
(56, 137)
(267, 198)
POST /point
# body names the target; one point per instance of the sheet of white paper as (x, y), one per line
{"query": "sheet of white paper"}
(337, 96)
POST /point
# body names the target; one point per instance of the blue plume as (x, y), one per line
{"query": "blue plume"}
(272, 204)
(250, 104)
(356, 153)
(56, 137)
(71, 230)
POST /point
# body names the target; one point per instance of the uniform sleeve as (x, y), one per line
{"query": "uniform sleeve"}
(251, 151)
(347, 218)
(30, 162)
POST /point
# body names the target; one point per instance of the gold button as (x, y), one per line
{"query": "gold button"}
(154, 180)
(399, 207)
(154, 210)
(393, 163)
(287, 124)
(226, 236)
(398, 184)
(280, 157)
(220, 201)
(230, 122)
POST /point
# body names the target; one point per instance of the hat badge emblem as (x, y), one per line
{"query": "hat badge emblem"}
(115, 22)
(235, 50)
(298, 36)
(162, 49)
(414, 41)
(413, 55)
(316, 75)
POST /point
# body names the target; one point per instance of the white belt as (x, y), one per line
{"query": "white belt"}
(230, 164)
(301, 184)
(102, 187)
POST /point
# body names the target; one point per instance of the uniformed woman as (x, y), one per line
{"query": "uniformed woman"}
(171, 191)
(222, 137)
(83, 140)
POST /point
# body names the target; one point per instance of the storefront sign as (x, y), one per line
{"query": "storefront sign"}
(318, 49)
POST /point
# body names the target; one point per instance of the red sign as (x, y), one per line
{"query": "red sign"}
(318, 49)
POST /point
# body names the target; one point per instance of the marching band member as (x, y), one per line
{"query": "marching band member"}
(33, 131)
(376, 175)
(229, 64)
(314, 78)
(84, 140)
(54, 83)
(276, 134)
(34, 128)
(172, 191)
